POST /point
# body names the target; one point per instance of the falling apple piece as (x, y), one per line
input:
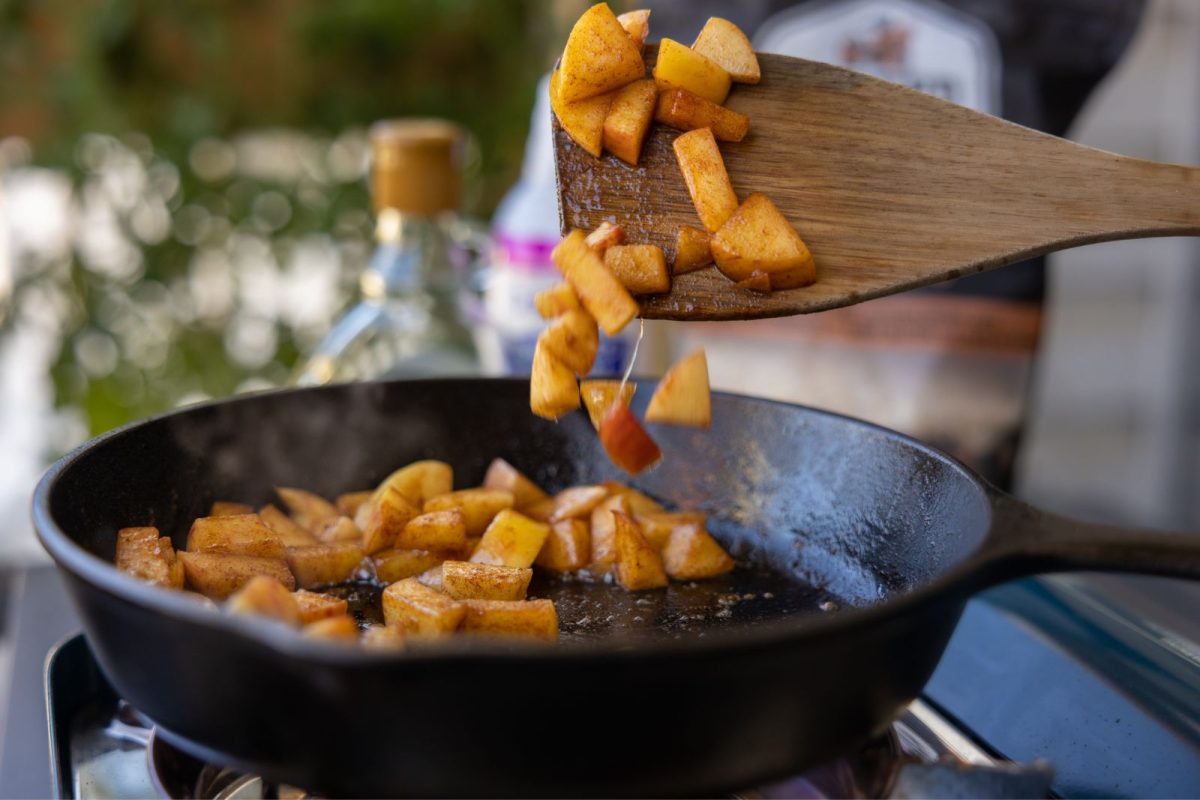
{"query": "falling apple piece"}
(626, 441)
(683, 396)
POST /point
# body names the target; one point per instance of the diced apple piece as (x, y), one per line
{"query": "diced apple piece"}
(657, 526)
(314, 606)
(265, 596)
(577, 501)
(388, 516)
(503, 475)
(691, 553)
(626, 441)
(692, 251)
(628, 120)
(681, 109)
(599, 57)
(641, 268)
(604, 527)
(437, 530)
(639, 503)
(218, 575)
(340, 531)
(512, 540)
(291, 534)
(419, 481)
(707, 181)
(334, 629)
(605, 236)
(309, 511)
(552, 388)
(758, 281)
(600, 292)
(349, 502)
(537, 619)
(142, 553)
(464, 580)
(683, 396)
(639, 565)
(395, 565)
(757, 237)
(572, 339)
(556, 300)
(223, 508)
(724, 44)
(240, 534)
(478, 506)
(432, 577)
(583, 120)
(415, 607)
(567, 548)
(680, 67)
(542, 510)
(598, 395)
(636, 24)
(383, 637)
(323, 564)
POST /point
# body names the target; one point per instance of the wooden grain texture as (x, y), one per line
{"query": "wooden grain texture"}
(891, 189)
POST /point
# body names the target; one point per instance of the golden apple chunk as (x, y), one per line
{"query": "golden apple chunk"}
(705, 176)
(680, 67)
(683, 396)
(757, 237)
(726, 45)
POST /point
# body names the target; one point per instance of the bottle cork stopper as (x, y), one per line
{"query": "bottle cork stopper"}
(416, 165)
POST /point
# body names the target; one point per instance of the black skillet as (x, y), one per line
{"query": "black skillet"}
(877, 542)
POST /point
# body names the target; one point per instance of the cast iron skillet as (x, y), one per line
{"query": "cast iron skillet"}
(685, 691)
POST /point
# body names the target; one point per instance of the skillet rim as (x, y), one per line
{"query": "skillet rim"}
(959, 580)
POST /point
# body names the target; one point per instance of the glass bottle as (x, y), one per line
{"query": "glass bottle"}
(409, 319)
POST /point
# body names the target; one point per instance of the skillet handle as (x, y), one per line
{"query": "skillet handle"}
(1026, 541)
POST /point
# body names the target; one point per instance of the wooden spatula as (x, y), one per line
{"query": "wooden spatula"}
(891, 189)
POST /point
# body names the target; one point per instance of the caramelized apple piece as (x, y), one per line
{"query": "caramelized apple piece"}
(537, 619)
(567, 548)
(478, 506)
(628, 120)
(142, 553)
(310, 511)
(218, 575)
(692, 251)
(323, 564)
(239, 534)
(583, 120)
(757, 237)
(420, 481)
(691, 553)
(417, 608)
(314, 606)
(680, 67)
(223, 508)
(334, 629)
(503, 475)
(463, 580)
(600, 292)
(626, 441)
(383, 637)
(349, 502)
(388, 516)
(395, 565)
(641, 268)
(556, 300)
(657, 526)
(758, 281)
(291, 534)
(638, 564)
(605, 236)
(639, 503)
(683, 396)
(437, 530)
(552, 388)
(577, 501)
(604, 526)
(573, 339)
(512, 540)
(636, 24)
(707, 181)
(265, 596)
(598, 395)
(681, 109)
(599, 56)
(726, 45)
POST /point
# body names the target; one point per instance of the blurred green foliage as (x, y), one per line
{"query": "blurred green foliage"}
(215, 153)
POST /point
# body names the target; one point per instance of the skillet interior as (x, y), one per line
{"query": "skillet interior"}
(825, 511)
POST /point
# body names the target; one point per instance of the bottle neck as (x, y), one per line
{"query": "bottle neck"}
(413, 259)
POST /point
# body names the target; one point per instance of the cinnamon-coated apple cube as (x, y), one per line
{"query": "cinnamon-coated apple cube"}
(555, 301)
(265, 596)
(503, 475)
(432, 577)
(417, 608)
(394, 565)
(542, 510)
(757, 237)
(637, 24)
(552, 388)
(639, 503)
(683, 396)
(583, 120)
(536, 619)
(567, 548)
(758, 281)
(691, 553)
(573, 339)
(238, 534)
(641, 268)
(349, 502)
(628, 120)
(639, 565)
(436, 530)
(291, 534)
(599, 56)
(511, 540)
(626, 441)
(478, 506)
(218, 575)
(657, 526)
(605, 236)
(603, 533)
(383, 637)
(224, 508)
(341, 530)
(600, 292)
(692, 251)
(314, 606)
(323, 564)
(681, 109)
(310, 511)
(680, 67)
(707, 181)
(334, 629)
(577, 501)
(724, 43)
(144, 554)
(388, 516)
(464, 580)
(419, 481)
(598, 395)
